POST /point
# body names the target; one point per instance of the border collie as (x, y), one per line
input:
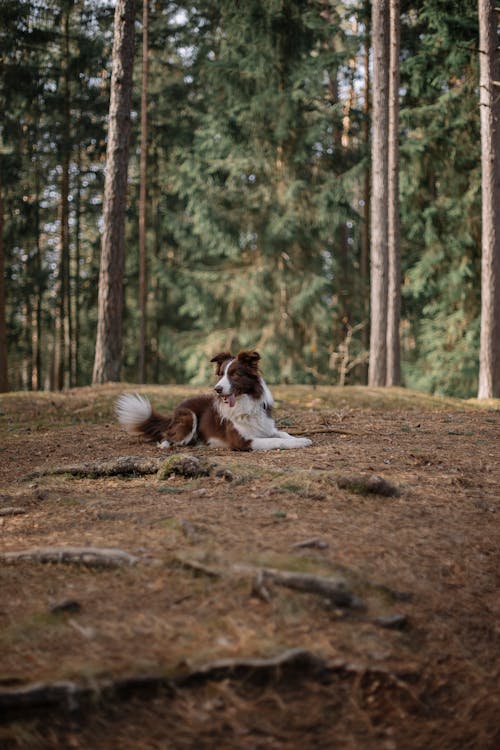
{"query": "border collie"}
(237, 416)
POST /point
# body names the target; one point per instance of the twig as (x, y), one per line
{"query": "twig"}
(325, 431)
(12, 511)
(93, 557)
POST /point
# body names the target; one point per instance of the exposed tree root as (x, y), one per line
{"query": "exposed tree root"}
(333, 589)
(93, 557)
(122, 466)
(295, 663)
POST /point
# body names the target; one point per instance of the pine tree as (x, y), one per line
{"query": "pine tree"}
(393, 367)
(489, 86)
(107, 363)
(4, 376)
(380, 177)
(143, 194)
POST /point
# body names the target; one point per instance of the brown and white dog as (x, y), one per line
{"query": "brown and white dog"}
(237, 416)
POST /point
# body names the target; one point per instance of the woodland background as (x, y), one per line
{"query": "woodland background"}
(258, 189)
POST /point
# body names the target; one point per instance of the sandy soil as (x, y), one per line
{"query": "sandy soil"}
(416, 666)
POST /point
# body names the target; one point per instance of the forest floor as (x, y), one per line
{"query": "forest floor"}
(287, 599)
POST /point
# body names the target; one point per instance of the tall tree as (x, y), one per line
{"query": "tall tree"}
(4, 380)
(379, 218)
(489, 86)
(108, 353)
(393, 373)
(143, 194)
(63, 323)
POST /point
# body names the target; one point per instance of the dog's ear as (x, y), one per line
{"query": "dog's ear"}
(219, 359)
(250, 359)
(222, 357)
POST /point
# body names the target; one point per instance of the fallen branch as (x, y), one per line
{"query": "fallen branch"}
(122, 466)
(92, 557)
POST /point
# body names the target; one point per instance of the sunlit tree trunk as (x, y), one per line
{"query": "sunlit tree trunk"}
(143, 196)
(393, 374)
(489, 358)
(379, 223)
(108, 354)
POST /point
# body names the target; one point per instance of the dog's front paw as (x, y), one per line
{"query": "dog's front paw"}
(303, 442)
(163, 444)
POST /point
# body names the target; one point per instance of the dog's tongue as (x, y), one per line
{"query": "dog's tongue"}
(231, 400)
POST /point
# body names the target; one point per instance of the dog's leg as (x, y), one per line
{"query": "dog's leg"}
(182, 431)
(279, 443)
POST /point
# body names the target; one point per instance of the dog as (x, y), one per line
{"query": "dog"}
(238, 415)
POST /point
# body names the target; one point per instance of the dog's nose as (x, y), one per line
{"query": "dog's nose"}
(218, 389)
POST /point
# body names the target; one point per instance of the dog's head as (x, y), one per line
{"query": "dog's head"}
(238, 376)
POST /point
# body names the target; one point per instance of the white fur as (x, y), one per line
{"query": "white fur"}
(132, 410)
(224, 382)
(269, 444)
(191, 435)
(251, 419)
(216, 443)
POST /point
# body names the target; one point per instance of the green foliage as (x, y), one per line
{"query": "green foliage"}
(440, 190)
(256, 163)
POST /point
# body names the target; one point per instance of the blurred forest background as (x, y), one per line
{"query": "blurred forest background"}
(258, 189)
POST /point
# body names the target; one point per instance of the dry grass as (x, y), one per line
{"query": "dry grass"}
(429, 681)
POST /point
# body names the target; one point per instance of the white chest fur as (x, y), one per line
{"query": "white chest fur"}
(248, 416)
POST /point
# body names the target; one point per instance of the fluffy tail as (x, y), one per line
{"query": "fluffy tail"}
(136, 415)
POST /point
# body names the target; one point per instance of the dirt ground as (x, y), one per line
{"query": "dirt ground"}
(410, 660)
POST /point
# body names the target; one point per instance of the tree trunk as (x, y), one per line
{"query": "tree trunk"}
(379, 224)
(39, 286)
(143, 196)
(63, 316)
(108, 354)
(4, 379)
(76, 278)
(365, 236)
(393, 374)
(489, 357)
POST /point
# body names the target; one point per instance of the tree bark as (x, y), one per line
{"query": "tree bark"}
(393, 374)
(63, 315)
(489, 356)
(379, 223)
(365, 236)
(143, 196)
(4, 379)
(108, 354)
